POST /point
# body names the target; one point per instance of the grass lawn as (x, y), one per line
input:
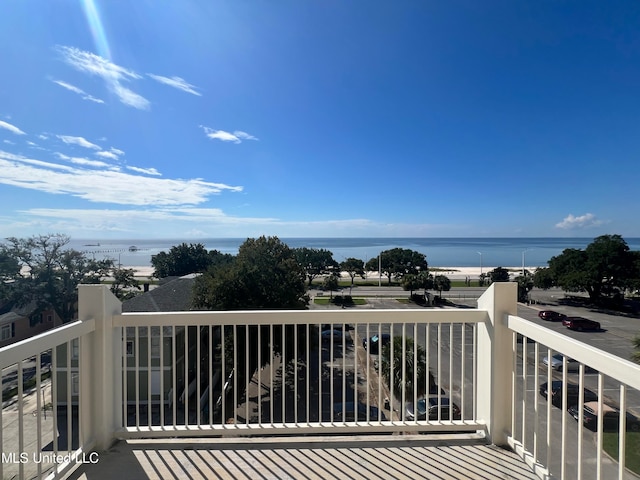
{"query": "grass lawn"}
(632, 449)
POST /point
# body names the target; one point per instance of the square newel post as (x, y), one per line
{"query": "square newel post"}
(496, 361)
(100, 367)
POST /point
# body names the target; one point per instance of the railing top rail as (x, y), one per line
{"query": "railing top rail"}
(16, 352)
(611, 365)
(300, 317)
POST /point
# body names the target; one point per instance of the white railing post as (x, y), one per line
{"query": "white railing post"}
(495, 361)
(100, 367)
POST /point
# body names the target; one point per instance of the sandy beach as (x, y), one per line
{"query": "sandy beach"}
(454, 273)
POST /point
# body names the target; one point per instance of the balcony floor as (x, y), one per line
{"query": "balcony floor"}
(353, 457)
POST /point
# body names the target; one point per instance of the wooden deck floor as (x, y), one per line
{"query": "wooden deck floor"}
(412, 457)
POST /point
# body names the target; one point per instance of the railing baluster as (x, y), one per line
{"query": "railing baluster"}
(451, 371)
(247, 376)
(404, 370)
(524, 392)
(136, 353)
(463, 355)
(536, 404)
(622, 431)
(283, 369)
(39, 409)
(21, 417)
(260, 419)
(439, 371)
(295, 375)
(600, 433)
(174, 381)
(149, 370)
(69, 399)
(581, 416)
(187, 382)
(549, 399)
(563, 455)
(198, 376)
(161, 367)
(210, 366)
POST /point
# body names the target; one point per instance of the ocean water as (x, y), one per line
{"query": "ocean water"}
(440, 252)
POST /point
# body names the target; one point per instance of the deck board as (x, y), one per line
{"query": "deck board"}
(356, 458)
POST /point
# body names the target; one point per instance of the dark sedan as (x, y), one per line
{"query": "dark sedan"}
(551, 316)
(573, 391)
(580, 324)
(610, 417)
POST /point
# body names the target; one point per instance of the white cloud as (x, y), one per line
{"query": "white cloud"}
(8, 142)
(112, 153)
(109, 155)
(176, 82)
(235, 137)
(111, 73)
(146, 171)
(80, 141)
(11, 128)
(108, 186)
(571, 222)
(79, 91)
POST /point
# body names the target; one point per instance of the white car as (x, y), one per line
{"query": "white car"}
(556, 363)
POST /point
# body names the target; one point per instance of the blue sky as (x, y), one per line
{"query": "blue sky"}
(196, 119)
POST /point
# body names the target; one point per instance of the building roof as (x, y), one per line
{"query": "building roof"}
(172, 296)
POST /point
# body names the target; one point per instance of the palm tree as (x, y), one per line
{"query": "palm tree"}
(399, 372)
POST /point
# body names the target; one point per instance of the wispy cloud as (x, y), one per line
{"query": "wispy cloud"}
(112, 153)
(176, 82)
(112, 74)
(11, 128)
(146, 171)
(107, 186)
(79, 91)
(236, 137)
(80, 141)
(82, 161)
(571, 222)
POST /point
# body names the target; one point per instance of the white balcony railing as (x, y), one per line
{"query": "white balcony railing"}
(150, 375)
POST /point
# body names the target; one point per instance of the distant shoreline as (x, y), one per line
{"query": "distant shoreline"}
(453, 273)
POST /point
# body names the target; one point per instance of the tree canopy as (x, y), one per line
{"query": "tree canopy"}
(354, 267)
(499, 274)
(264, 275)
(399, 262)
(315, 261)
(185, 259)
(606, 267)
(400, 363)
(49, 274)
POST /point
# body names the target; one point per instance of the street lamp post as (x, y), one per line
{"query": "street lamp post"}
(523, 257)
(480, 253)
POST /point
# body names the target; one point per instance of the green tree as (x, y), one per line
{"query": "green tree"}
(354, 267)
(399, 262)
(604, 268)
(50, 273)
(264, 275)
(543, 278)
(124, 283)
(499, 274)
(440, 283)
(315, 262)
(330, 283)
(525, 284)
(399, 364)
(185, 259)
(412, 282)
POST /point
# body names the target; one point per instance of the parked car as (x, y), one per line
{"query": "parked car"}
(551, 316)
(556, 363)
(347, 413)
(610, 417)
(373, 345)
(573, 391)
(580, 324)
(427, 409)
(332, 335)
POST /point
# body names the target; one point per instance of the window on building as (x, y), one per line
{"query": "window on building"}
(155, 347)
(130, 350)
(7, 331)
(75, 347)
